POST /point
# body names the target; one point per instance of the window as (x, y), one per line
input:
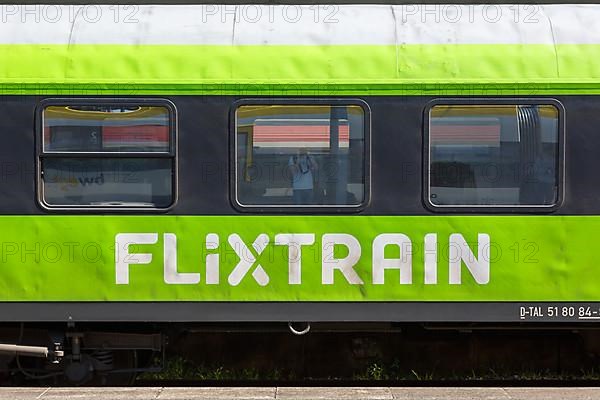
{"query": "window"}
(494, 155)
(301, 155)
(107, 154)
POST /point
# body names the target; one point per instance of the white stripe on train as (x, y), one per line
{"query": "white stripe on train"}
(299, 25)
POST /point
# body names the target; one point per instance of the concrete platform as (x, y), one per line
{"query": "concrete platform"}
(299, 393)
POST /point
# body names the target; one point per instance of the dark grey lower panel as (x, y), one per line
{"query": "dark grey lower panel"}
(311, 312)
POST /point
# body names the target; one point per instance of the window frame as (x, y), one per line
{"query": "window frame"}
(494, 101)
(292, 208)
(41, 154)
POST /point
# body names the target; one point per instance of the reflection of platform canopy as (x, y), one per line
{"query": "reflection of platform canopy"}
(298, 133)
(475, 131)
(143, 127)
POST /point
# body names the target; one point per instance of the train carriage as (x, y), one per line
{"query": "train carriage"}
(298, 163)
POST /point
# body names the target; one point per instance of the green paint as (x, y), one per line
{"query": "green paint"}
(72, 258)
(300, 70)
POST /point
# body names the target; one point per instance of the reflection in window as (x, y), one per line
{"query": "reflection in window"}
(106, 128)
(107, 181)
(494, 155)
(300, 155)
(129, 156)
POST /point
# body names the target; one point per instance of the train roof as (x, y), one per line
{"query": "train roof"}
(301, 49)
(293, 2)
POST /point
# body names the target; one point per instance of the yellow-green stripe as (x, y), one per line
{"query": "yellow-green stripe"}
(300, 70)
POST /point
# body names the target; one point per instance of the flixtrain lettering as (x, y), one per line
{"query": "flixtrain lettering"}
(333, 266)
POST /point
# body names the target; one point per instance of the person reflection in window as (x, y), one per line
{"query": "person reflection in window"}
(302, 167)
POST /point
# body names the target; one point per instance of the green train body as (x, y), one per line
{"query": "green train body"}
(392, 255)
